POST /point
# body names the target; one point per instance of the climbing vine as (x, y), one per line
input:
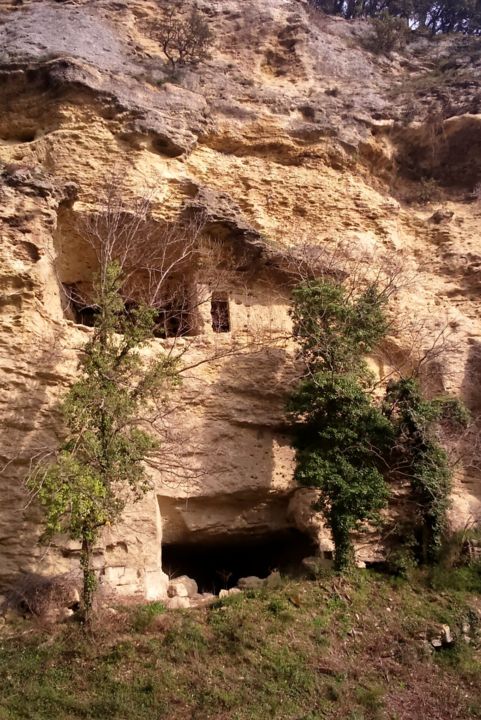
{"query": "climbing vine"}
(349, 443)
(339, 431)
(418, 455)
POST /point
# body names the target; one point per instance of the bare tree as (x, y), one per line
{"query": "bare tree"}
(356, 267)
(174, 268)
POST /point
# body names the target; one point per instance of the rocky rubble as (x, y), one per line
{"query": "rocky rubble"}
(183, 592)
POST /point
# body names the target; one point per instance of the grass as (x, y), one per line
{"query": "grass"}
(352, 648)
(144, 614)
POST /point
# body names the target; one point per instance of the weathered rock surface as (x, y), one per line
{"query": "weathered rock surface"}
(250, 583)
(443, 638)
(285, 135)
(52, 599)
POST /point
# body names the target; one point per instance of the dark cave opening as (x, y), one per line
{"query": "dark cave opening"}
(216, 564)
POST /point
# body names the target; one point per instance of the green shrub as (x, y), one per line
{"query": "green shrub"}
(428, 191)
(370, 697)
(279, 608)
(400, 561)
(462, 579)
(387, 33)
(346, 441)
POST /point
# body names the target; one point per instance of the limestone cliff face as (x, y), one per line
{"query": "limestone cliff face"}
(289, 132)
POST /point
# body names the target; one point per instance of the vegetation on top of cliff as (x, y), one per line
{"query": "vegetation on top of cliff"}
(364, 647)
(443, 16)
(387, 33)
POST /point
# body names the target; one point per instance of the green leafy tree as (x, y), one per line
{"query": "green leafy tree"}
(100, 466)
(339, 436)
(442, 16)
(335, 330)
(115, 413)
(387, 33)
(340, 433)
(348, 440)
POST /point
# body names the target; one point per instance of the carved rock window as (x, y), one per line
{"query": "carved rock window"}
(219, 311)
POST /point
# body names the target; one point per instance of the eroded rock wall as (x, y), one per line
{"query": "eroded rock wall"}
(290, 132)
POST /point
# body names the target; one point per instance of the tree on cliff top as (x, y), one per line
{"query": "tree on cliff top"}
(442, 16)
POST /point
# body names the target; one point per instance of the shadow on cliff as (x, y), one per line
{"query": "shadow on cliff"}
(238, 514)
(245, 419)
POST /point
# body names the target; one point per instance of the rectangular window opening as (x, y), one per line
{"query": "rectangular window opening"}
(86, 315)
(219, 310)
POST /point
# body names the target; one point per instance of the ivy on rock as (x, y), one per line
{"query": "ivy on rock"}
(349, 443)
(340, 433)
(419, 455)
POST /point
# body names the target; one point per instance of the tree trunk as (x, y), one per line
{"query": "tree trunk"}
(89, 579)
(343, 549)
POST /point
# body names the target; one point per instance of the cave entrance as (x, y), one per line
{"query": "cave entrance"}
(218, 564)
(175, 319)
(77, 307)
